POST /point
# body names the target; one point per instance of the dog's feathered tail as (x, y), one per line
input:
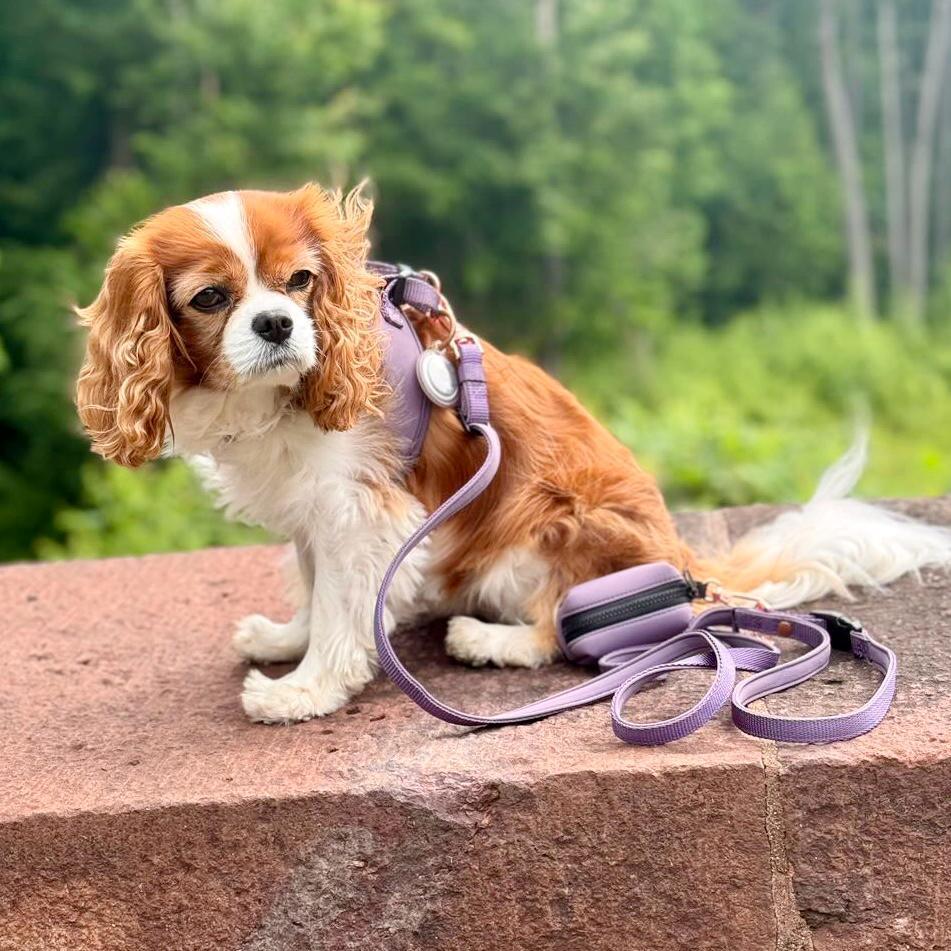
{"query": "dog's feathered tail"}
(828, 544)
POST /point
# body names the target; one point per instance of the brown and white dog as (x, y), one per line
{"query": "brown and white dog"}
(241, 331)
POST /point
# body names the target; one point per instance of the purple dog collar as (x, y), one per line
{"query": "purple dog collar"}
(630, 655)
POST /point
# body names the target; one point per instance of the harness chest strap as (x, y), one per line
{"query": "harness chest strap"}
(629, 669)
(411, 408)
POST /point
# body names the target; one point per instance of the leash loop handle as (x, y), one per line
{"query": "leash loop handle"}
(814, 631)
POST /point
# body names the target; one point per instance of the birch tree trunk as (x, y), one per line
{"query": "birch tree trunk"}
(942, 188)
(546, 22)
(894, 146)
(842, 129)
(919, 182)
(551, 350)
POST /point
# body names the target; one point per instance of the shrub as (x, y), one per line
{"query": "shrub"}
(754, 411)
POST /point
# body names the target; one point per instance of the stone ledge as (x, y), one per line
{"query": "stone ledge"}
(140, 810)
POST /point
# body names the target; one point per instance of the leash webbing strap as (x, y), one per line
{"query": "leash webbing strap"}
(816, 636)
(629, 669)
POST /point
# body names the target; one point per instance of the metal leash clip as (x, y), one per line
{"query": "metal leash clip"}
(715, 593)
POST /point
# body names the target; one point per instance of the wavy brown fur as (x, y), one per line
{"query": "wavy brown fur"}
(123, 387)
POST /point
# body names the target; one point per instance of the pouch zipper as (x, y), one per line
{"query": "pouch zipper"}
(667, 595)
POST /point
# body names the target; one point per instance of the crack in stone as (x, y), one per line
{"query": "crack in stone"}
(792, 931)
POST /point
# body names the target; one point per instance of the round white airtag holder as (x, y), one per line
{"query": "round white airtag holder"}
(437, 378)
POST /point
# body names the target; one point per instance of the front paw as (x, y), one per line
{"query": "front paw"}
(261, 641)
(291, 698)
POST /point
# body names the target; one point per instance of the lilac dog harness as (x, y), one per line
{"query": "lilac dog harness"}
(637, 624)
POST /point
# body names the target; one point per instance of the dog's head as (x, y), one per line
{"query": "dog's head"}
(235, 290)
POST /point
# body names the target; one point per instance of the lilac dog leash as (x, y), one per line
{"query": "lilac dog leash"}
(628, 669)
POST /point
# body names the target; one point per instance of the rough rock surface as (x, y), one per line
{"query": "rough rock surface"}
(140, 810)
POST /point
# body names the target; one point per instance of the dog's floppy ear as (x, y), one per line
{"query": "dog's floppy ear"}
(124, 384)
(348, 379)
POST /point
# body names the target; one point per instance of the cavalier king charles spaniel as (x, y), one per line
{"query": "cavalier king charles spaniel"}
(242, 331)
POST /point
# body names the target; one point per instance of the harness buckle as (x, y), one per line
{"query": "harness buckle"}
(403, 271)
(841, 627)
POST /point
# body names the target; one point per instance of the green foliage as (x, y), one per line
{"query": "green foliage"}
(40, 446)
(644, 165)
(161, 508)
(600, 195)
(755, 411)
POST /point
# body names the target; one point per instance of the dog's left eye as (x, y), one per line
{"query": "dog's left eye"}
(299, 280)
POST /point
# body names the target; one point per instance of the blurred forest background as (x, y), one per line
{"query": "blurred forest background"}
(726, 225)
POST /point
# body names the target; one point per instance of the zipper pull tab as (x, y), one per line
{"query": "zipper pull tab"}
(696, 589)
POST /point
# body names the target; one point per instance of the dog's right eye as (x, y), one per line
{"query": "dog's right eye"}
(210, 298)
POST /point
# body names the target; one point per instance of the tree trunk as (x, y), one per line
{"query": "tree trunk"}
(120, 144)
(553, 264)
(842, 128)
(919, 183)
(546, 22)
(942, 210)
(894, 146)
(849, 23)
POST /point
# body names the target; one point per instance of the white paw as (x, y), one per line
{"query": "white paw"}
(466, 642)
(478, 643)
(290, 698)
(264, 642)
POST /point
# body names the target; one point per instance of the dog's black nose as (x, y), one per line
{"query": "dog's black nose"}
(272, 326)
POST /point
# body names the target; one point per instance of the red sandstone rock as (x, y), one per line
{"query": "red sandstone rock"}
(140, 810)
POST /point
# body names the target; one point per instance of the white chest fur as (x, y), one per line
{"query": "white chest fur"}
(269, 465)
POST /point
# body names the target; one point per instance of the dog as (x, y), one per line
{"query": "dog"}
(242, 332)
